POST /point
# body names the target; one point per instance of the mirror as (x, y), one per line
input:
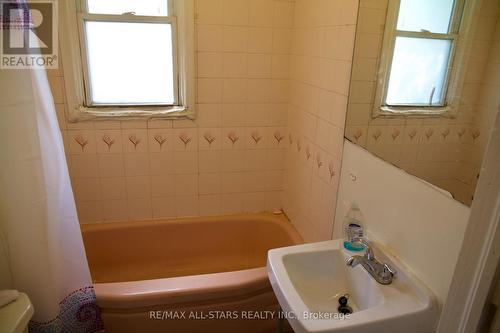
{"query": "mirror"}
(424, 87)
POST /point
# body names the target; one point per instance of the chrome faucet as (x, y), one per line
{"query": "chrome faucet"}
(381, 272)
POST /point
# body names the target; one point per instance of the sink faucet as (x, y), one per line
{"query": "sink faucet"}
(381, 272)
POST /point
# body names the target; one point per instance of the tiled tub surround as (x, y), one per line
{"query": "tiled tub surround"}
(322, 47)
(194, 264)
(143, 173)
(445, 152)
(231, 159)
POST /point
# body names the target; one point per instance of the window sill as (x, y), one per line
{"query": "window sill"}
(83, 113)
(414, 111)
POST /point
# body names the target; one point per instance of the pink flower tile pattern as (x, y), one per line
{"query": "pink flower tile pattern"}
(185, 138)
(209, 138)
(160, 140)
(108, 141)
(82, 141)
(134, 140)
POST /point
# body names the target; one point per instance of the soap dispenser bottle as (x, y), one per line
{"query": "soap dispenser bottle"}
(353, 228)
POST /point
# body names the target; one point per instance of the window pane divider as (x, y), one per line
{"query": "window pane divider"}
(425, 34)
(127, 18)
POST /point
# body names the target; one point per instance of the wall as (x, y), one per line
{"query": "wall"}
(244, 52)
(419, 223)
(5, 276)
(243, 55)
(321, 54)
(488, 103)
(446, 152)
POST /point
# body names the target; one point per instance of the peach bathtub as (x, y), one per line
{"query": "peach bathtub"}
(188, 275)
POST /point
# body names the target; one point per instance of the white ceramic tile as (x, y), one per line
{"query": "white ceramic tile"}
(260, 40)
(111, 165)
(136, 164)
(186, 185)
(164, 207)
(259, 66)
(186, 206)
(232, 203)
(234, 91)
(261, 13)
(138, 187)
(135, 140)
(160, 140)
(81, 141)
(209, 115)
(210, 183)
(254, 202)
(86, 189)
(83, 166)
(162, 186)
(185, 139)
(232, 160)
(139, 209)
(210, 38)
(209, 11)
(233, 138)
(209, 91)
(210, 139)
(209, 205)
(185, 162)
(234, 65)
(235, 12)
(209, 161)
(114, 210)
(113, 188)
(209, 65)
(108, 141)
(257, 137)
(235, 39)
(234, 115)
(134, 123)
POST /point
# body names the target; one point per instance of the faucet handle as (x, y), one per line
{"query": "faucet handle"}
(388, 271)
(368, 249)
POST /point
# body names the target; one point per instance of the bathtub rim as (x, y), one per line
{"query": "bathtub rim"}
(191, 288)
(279, 219)
(179, 290)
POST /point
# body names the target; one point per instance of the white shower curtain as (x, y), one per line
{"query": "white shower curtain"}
(37, 211)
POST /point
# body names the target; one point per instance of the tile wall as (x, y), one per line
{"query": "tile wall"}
(231, 159)
(273, 78)
(321, 55)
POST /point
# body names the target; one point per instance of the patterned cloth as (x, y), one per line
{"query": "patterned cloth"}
(79, 313)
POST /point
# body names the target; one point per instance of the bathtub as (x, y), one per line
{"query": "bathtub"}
(203, 274)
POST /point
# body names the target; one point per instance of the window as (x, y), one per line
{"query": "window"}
(128, 58)
(419, 64)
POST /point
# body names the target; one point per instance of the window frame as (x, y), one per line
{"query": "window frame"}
(77, 84)
(453, 81)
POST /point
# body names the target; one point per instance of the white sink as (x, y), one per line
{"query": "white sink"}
(308, 280)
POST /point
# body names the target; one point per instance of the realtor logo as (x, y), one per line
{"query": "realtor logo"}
(28, 34)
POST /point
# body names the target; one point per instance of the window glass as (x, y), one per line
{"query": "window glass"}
(418, 72)
(139, 7)
(431, 15)
(130, 63)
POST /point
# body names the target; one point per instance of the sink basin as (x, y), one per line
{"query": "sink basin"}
(309, 279)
